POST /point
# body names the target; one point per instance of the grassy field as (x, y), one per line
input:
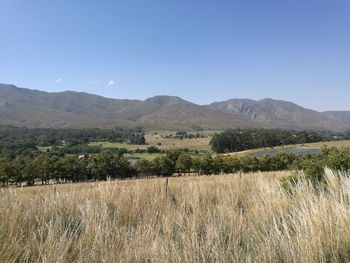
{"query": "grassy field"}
(328, 144)
(146, 156)
(199, 144)
(45, 148)
(129, 147)
(200, 219)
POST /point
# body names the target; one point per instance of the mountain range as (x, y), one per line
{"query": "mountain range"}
(33, 108)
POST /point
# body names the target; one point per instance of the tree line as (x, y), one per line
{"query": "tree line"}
(240, 140)
(47, 167)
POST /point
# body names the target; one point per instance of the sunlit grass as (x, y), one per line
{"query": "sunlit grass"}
(255, 218)
(199, 144)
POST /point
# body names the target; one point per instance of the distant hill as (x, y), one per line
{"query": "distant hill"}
(280, 114)
(32, 108)
(343, 116)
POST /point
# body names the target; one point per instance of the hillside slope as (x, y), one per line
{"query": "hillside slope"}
(343, 116)
(279, 114)
(32, 108)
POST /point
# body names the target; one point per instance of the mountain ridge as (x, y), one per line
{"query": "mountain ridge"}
(34, 108)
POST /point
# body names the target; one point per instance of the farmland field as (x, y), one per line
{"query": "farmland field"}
(200, 144)
(255, 218)
(146, 156)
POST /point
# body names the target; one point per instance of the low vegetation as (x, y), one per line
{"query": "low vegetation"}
(252, 218)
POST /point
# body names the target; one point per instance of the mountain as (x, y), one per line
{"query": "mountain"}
(280, 114)
(32, 108)
(343, 116)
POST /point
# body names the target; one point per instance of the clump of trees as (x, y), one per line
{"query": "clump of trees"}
(70, 168)
(16, 141)
(184, 135)
(313, 165)
(239, 140)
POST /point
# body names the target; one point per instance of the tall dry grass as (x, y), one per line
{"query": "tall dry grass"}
(203, 219)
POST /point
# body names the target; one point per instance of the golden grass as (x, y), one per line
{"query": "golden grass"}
(202, 219)
(171, 143)
(337, 144)
(129, 147)
(200, 144)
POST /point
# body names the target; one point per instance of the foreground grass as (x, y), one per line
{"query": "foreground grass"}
(201, 219)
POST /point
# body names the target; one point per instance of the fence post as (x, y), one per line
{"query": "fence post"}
(166, 186)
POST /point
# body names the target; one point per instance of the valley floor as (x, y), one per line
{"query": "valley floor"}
(253, 218)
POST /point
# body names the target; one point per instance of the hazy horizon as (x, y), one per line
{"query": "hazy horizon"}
(201, 51)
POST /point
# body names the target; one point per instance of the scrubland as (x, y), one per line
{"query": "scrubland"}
(260, 217)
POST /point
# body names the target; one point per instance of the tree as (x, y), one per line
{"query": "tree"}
(23, 170)
(72, 168)
(231, 165)
(238, 140)
(153, 149)
(106, 165)
(122, 167)
(102, 166)
(44, 166)
(163, 166)
(6, 172)
(206, 165)
(196, 164)
(143, 167)
(312, 166)
(218, 165)
(174, 154)
(184, 163)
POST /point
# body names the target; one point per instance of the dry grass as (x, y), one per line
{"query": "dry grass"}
(171, 143)
(200, 144)
(202, 219)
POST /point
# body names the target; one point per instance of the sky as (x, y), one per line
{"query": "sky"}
(200, 50)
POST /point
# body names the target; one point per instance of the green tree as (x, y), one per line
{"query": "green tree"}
(143, 167)
(44, 166)
(206, 165)
(196, 164)
(184, 163)
(163, 166)
(102, 166)
(6, 172)
(106, 165)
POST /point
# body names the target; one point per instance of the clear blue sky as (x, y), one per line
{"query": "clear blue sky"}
(201, 50)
